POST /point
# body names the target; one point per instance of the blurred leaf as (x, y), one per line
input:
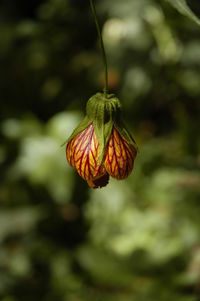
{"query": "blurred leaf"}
(183, 8)
(112, 272)
(18, 221)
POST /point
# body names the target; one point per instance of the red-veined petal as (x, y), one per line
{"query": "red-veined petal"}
(83, 153)
(120, 155)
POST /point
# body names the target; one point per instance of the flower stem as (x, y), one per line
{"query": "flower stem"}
(102, 48)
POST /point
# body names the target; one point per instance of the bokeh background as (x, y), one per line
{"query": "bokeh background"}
(137, 239)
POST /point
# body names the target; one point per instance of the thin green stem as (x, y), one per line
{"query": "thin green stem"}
(102, 48)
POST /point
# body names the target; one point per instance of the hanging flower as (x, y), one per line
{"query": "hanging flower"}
(101, 146)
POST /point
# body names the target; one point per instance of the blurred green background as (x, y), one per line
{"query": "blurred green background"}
(137, 239)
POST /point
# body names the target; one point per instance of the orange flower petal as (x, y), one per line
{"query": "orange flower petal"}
(119, 157)
(83, 153)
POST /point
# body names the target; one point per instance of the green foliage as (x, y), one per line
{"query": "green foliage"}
(137, 239)
(183, 8)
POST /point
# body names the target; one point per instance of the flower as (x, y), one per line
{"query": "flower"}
(100, 146)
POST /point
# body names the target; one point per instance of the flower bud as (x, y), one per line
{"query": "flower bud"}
(101, 146)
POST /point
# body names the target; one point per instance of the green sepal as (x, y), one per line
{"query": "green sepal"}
(103, 108)
(103, 132)
(103, 111)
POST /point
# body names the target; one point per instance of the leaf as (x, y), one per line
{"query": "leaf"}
(183, 8)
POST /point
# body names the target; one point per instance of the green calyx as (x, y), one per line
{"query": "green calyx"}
(103, 108)
(104, 113)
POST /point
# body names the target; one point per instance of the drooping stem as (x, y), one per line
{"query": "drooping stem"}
(102, 48)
